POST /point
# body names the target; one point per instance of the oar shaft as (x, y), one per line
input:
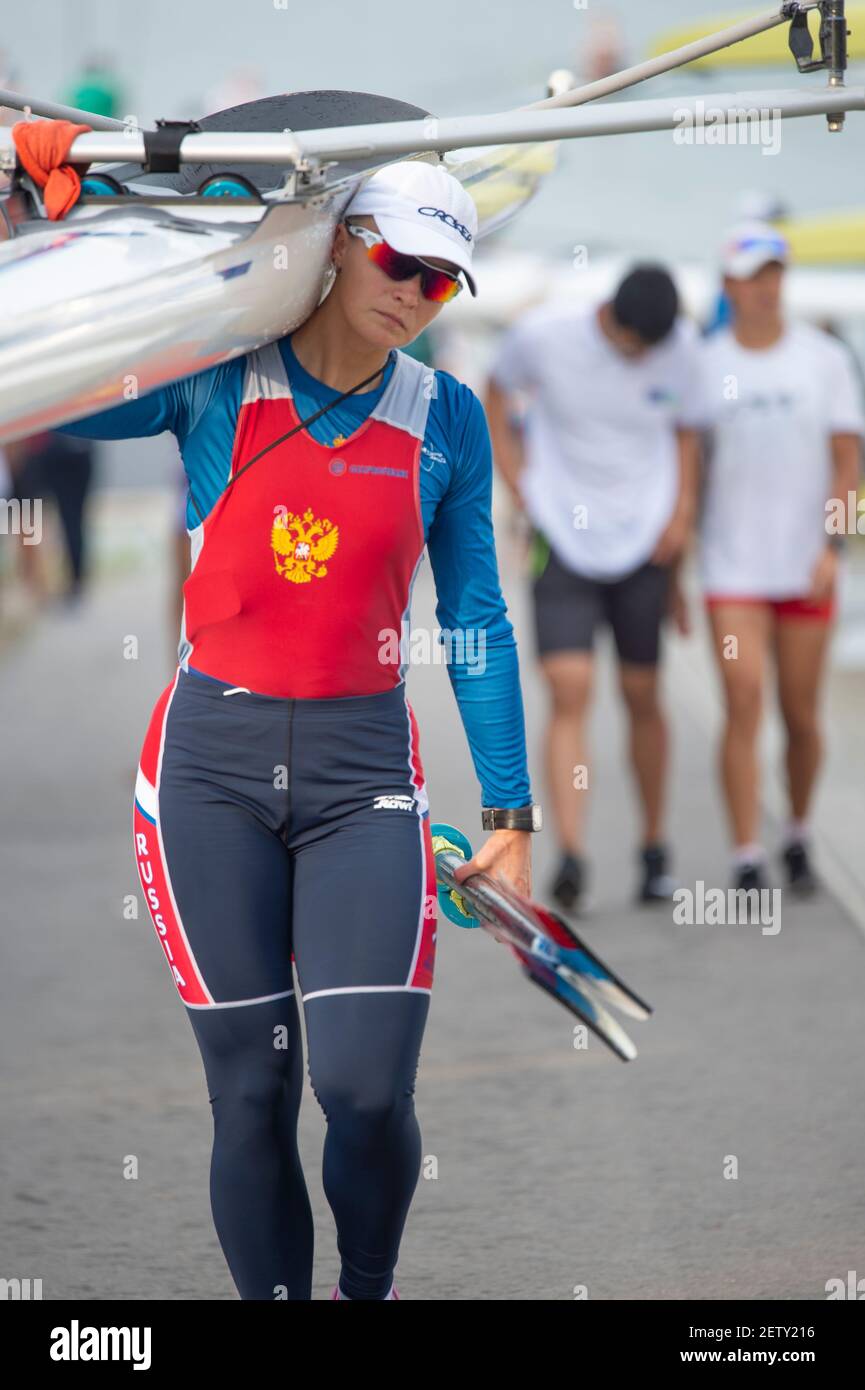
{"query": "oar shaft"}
(485, 902)
(665, 62)
(577, 96)
(53, 110)
(508, 127)
(614, 118)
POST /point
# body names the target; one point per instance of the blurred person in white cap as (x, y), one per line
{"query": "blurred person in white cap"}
(786, 421)
(319, 468)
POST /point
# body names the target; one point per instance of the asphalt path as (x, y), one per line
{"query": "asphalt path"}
(556, 1170)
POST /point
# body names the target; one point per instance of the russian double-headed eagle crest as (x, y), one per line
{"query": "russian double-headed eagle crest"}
(301, 545)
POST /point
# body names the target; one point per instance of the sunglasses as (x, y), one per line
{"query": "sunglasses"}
(437, 285)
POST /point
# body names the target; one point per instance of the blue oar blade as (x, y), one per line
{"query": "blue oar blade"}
(576, 955)
(580, 1002)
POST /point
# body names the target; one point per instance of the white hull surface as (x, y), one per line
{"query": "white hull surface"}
(103, 308)
(128, 293)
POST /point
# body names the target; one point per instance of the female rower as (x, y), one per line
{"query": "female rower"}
(786, 438)
(281, 812)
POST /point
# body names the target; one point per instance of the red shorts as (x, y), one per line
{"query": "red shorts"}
(822, 612)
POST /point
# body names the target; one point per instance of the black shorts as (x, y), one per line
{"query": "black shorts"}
(568, 607)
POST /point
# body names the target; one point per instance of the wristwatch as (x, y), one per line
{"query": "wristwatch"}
(836, 541)
(512, 817)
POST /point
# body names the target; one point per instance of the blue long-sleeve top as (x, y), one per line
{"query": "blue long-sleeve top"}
(456, 495)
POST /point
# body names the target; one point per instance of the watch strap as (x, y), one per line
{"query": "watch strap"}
(512, 817)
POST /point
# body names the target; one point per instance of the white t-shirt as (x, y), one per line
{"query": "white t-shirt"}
(601, 475)
(769, 471)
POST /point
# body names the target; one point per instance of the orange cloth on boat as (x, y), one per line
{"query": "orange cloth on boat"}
(42, 148)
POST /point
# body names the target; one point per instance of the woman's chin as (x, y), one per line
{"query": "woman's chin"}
(387, 332)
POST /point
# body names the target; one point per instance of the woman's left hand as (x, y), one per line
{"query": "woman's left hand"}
(506, 854)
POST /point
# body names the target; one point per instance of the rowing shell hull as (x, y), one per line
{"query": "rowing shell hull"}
(126, 294)
(156, 297)
(831, 238)
(767, 50)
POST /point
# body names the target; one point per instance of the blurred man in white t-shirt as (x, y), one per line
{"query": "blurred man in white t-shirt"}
(786, 425)
(607, 475)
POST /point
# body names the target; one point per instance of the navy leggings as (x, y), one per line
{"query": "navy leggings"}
(269, 830)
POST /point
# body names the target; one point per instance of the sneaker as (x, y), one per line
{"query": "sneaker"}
(394, 1295)
(569, 886)
(657, 885)
(749, 876)
(801, 878)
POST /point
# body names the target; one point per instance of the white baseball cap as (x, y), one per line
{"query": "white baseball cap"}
(421, 210)
(750, 246)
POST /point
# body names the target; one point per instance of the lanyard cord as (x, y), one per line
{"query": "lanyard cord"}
(303, 424)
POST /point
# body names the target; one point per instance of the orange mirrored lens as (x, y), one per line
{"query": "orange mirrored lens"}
(436, 285)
